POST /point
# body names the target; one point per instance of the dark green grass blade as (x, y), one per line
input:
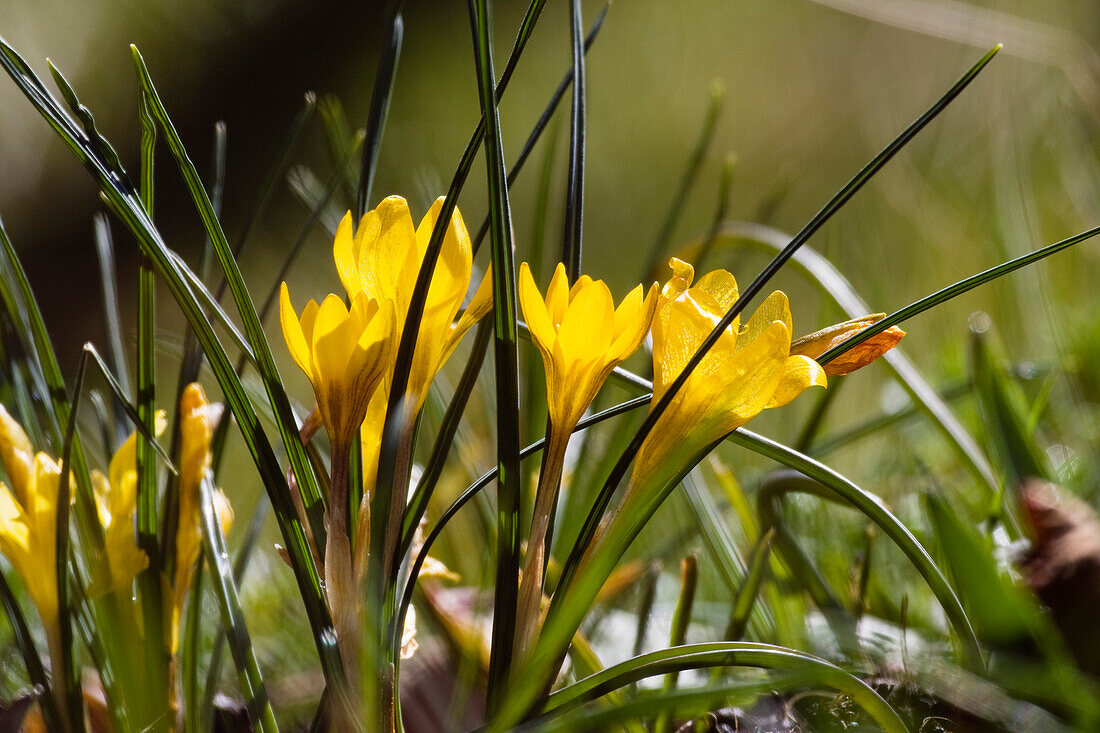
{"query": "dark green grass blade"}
(433, 469)
(129, 411)
(240, 643)
(1005, 423)
(25, 642)
(725, 654)
(69, 672)
(265, 363)
(506, 356)
(105, 252)
(819, 219)
(572, 230)
(122, 200)
(540, 126)
(379, 110)
(695, 163)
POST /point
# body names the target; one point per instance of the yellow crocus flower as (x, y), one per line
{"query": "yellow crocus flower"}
(116, 502)
(197, 420)
(343, 351)
(745, 372)
(28, 531)
(382, 258)
(582, 336)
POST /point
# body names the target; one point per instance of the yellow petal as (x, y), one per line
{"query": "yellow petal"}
(633, 318)
(719, 285)
(543, 332)
(799, 374)
(586, 331)
(557, 295)
(682, 276)
(747, 383)
(774, 308)
(478, 307)
(346, 257)
(17, 454)
(13, 525)
(293, 333)
(392, 251)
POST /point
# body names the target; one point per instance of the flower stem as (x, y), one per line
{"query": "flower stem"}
(339, 578)
(534, 566)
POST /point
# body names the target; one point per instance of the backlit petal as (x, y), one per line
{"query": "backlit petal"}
(16, 453)
(292, 332)
(346, 257)
(775, 307)
(543, 332)
(799, 374)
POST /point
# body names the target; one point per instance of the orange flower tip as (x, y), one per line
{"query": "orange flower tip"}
(819, 342)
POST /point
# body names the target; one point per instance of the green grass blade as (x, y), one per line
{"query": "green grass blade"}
(379, 110)
(726, 654)
(588, 531)
(105, 252)
(448, 427)
(69, 673)
(265, 363)
(35, 669)
(733, 569)
(572, 230)
(506, 354)
(747, 594)
(687, 182)
(240, 643)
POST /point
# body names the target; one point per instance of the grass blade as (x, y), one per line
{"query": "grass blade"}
(111, 319)
(506, 353)
(379, 110)
(681, 617)
(724, 654)
(240, 644)
(572, 230)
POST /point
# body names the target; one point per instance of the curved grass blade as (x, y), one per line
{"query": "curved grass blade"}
(834, 204)
(379, 110)
(746, 596)
(25, 642)
(240, 644)
(822, 481)
(506, 355)
(123, 201)
(724, 654)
